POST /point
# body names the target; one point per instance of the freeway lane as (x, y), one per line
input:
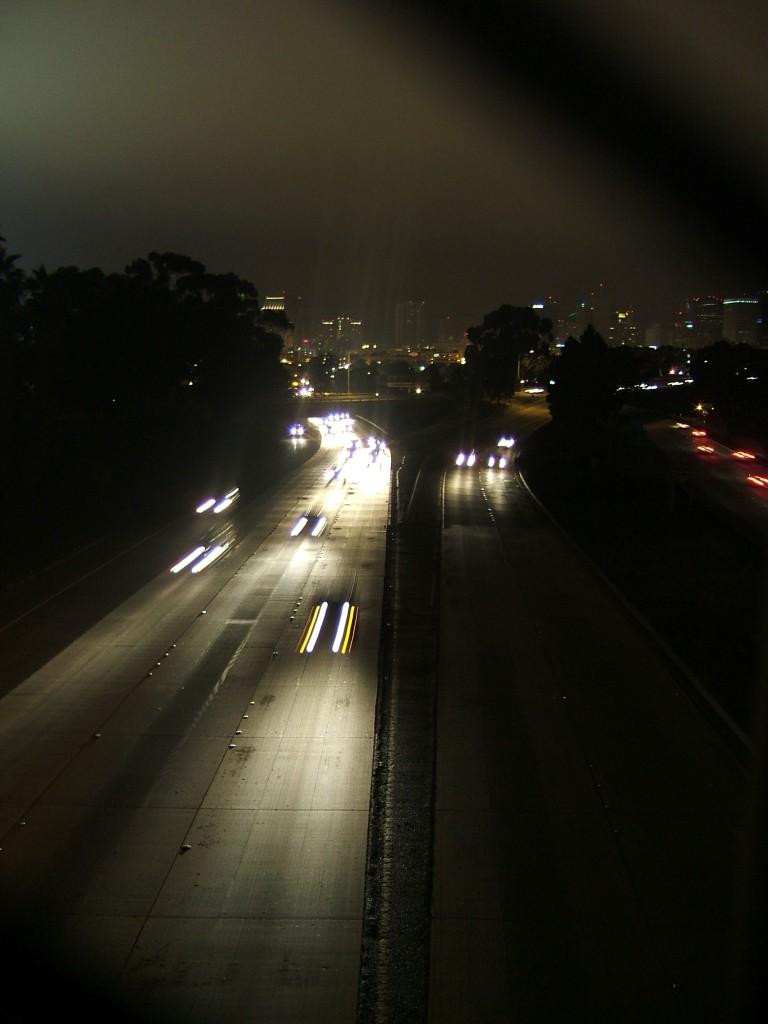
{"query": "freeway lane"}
(396, 956)
(721, 474)
(42, 614)
(184, 797)
(587, 817)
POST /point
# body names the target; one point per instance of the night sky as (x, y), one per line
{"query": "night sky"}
(358, 154)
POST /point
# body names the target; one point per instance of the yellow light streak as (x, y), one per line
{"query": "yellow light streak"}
(308, 629)
(349, 635)
(313, 627)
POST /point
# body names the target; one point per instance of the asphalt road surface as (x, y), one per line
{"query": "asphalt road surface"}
(588, 815)
(184, 794)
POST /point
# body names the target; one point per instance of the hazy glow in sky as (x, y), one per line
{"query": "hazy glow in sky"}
(326, 150)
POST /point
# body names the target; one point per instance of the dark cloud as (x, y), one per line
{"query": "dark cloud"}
(356, 154)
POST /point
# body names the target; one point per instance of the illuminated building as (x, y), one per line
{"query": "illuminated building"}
(615, 326)
(276, 304)
(340, 336)
(702, 323)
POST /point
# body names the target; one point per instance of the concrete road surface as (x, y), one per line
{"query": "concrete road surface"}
(184, 795)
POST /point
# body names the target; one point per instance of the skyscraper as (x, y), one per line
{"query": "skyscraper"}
(615, 326)
(742, 320)
(703, 321)
(276, 304)
(410, 325)
(341, 335)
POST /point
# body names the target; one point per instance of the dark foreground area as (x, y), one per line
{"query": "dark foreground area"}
(73, 482)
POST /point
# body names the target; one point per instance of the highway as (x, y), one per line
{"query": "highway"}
(734, 479)
(588, 816)
(184, 788)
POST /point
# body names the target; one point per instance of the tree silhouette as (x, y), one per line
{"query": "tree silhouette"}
(164, 334)
(496, 347)
(234, 346)
(164, 269)
(582, 386)
(13, 286)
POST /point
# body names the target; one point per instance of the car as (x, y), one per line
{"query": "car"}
(211, 547)
(338, 639)
(310, 523)
(220, 504)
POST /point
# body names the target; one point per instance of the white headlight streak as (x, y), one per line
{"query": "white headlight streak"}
(342, 637)
(298, 526)
(188, 559)
(227, 500)
(342, 624)
(216, 551)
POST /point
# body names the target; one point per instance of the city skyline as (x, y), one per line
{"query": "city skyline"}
(359, 157)
(696, 319)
